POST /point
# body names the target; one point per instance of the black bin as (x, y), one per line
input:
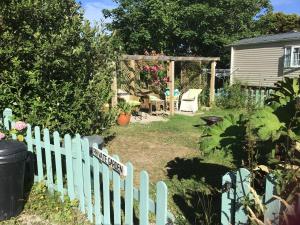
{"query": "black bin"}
(12, 168)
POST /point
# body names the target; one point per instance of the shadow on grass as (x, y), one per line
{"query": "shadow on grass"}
(194, 176)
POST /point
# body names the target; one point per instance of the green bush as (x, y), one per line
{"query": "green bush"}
(232, 97)
(55, 69)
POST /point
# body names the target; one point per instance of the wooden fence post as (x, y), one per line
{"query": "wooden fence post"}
(132, 77)
(114, 88)
(171, 75)
(212, 82)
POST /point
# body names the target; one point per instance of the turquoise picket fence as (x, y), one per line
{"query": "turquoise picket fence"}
(67, 166)
(236, 186)
(257, 96)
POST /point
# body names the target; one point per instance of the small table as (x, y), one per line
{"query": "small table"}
(211, 120)
(159, 107)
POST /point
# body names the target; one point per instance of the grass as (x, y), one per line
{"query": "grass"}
(169, 151)
(43, 208)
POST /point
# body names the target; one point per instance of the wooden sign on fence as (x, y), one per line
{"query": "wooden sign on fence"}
(110, 161)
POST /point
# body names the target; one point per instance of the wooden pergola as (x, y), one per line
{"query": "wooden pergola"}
(170, 71)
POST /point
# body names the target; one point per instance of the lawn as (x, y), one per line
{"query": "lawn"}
(169, 151)
(43, 208)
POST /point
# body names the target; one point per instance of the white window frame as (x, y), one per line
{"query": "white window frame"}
(291, 56)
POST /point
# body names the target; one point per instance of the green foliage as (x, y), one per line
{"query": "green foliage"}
(184, 27)
(265, 124)
(55, 69)
(232, 97)
(214, 138)
(284, 99)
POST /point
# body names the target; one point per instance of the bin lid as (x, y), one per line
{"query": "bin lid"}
(95, 139)
(11, 147)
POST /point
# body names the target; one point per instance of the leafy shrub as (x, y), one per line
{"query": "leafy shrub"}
(266, 135)
(233, 97)
(55, 69)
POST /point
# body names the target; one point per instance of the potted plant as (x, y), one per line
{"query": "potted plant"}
(124, 113)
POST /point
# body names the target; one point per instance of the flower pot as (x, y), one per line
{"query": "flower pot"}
(124, 119)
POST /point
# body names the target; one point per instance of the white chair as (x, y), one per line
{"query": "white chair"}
(189, 100)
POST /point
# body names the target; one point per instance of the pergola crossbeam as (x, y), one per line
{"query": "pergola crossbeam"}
(169, 58)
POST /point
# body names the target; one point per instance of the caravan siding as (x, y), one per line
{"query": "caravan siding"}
(261, 65)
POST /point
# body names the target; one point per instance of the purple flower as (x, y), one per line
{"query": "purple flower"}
(2, 136)
(20, 125)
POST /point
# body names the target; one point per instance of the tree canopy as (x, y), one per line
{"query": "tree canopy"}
(184, 26)
(274, 23)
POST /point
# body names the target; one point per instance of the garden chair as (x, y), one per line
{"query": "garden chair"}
(176, 97)
(189, 100)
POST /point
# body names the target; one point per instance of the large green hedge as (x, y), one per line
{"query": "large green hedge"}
(55, 69)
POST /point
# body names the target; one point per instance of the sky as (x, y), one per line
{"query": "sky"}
(93, 8)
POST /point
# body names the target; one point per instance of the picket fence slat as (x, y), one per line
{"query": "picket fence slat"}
(106, 194)
(97, 195)
(272, 205)
(258, 96)
(58, 165)
(29, 138)
(78, 172)
(69, 165)
(144, 198)
(37, 135)
(161, 201)
(129, 195)
(117, 195)
(227, 199)
(7, 115)
(49, 170)
(87, 179)
(242, 190)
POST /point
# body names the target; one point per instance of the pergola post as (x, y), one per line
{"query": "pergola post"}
(114, 87)
(132, 77)
(212, 83)
(171, 71)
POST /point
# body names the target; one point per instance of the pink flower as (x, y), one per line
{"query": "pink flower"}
(2, 136)
(154, 69)
(20, 125)
(146, 68)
